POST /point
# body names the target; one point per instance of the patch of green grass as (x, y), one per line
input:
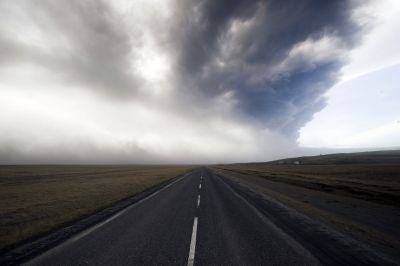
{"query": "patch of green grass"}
(37, 199)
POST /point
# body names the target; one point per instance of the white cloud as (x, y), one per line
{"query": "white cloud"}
(93, 81)
(380, 46)
(386, 135)
(363, 109)
(361, 112)
(308, 54)
(76, 125)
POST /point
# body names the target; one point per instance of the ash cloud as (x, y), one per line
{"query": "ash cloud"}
(165, 81)
(82, 42)
(268, 54)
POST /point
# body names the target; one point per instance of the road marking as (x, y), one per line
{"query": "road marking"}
(79, 235)
(193, 243)
(201, 177)
(198, 201)
(271, 225)
(199, 186)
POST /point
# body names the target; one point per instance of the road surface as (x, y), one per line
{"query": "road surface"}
(198, 219)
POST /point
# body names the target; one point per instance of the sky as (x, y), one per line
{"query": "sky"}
(363, 109)
(196, 81)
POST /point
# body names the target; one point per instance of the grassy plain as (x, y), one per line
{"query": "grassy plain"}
(357, 194)
(371, 176)
(37, 199)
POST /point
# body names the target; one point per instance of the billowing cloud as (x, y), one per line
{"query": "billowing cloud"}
(83, 42)
(276, 58)
(165, 81)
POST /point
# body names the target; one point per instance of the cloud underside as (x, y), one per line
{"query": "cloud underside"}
(249, 72)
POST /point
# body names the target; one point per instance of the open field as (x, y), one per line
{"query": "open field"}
(37, 199)
(369, 176)
(360, 199)
(371, 157)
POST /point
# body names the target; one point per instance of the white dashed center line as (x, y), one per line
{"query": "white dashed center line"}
(194, 232)
(192, 243)
(198, 201)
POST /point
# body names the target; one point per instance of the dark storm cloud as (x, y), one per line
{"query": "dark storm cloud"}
(220, 47)
(178, 80)
(238, 47)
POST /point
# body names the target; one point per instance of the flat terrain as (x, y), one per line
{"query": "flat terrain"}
(355, 194)
(368, 176)
(37, 199)
(371, 157)
(204, 218)
(322, 212)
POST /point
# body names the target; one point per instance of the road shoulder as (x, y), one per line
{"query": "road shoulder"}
(32, 248)
(320, 238)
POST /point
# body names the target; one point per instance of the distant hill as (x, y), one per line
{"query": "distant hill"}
(375, 157)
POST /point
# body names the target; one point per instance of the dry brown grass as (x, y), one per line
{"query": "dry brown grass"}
(373, 182)
(37, 199)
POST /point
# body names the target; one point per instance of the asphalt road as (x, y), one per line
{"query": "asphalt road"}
(198, 219)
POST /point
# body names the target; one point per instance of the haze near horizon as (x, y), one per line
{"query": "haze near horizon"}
(175, 81)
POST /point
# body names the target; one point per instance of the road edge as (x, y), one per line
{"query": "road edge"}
(278, 216)
(33, 248)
